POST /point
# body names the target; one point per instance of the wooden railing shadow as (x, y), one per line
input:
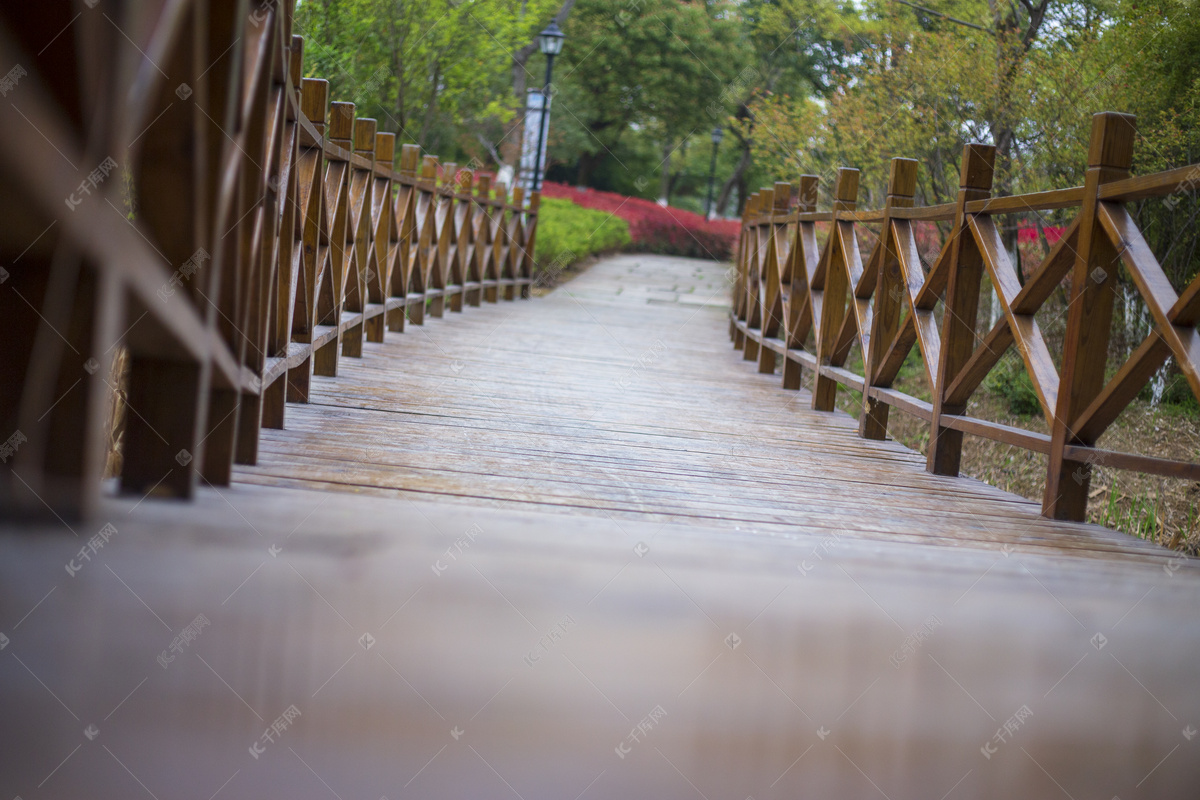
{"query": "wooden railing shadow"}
(809, 304)
(224, 222)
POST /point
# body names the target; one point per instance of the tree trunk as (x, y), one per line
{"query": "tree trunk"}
(587, 165)
(735, 179)
(664, 178)
(431, 109)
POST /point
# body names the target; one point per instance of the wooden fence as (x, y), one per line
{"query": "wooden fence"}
(809, 304)
(270, 234)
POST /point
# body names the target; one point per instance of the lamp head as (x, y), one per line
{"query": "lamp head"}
(550, 41)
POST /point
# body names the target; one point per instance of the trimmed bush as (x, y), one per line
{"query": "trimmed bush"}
(655, 229)
(567, 232)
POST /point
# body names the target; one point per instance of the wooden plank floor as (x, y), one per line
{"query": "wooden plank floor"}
(522, 566)
(621, 395)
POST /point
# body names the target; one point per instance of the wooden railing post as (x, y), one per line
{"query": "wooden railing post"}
(1089, 319)
(284, 289)
(358, 234)
(746, 247)
(961, 307)
(800, 300)
(531, 225)
(516, 241)
(483, 237)
(890, 294)
(837, 282)
(406, 276)
(384, 239)
(765, 200)
(331, 288)
(448, 254)
(464, 224)
(314, 100)
(772, 274)
(429, 207)
(499, 224)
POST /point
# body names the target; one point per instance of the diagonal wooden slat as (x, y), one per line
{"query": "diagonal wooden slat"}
(1026, 332)
(1156, 290)
(1121, 389)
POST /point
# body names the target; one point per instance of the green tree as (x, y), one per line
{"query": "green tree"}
(435, 72)
(650, 68)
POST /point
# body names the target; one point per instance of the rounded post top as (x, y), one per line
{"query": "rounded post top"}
(1112, 140)
(847, 185)
(385, 148)
(808, 192)
(341, 120)
(902, 182)
(314, 98)
(364, 135)
(978, 163)
(429, 168)
(464, 179)
(296, 61)
(783, 196)
(410, 156)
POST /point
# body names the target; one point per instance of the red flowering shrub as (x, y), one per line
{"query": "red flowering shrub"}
(654, 229)
(1029, 233)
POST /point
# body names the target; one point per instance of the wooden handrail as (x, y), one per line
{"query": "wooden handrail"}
(273, 233)
(789, 291)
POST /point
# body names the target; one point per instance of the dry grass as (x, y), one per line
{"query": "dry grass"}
(1162, 510)
(114, 425)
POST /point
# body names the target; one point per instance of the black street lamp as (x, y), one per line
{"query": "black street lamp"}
(717, 133)
(550, 42)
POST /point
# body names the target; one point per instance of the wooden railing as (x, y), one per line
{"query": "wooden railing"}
(270, 234)
(809, 304)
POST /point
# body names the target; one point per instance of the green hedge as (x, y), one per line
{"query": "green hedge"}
(567, 232)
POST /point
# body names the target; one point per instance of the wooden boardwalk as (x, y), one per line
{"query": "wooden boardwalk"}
(619, 395)
(576, 547)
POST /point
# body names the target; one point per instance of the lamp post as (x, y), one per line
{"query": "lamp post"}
(550, 42)
(717, 134)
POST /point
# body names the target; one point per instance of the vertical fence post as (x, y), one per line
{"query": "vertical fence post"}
(772, 275)
(961, 307)
(765, 201)
(516, 242)
(314, 100)
(427, 207)
(890, 294)
(800, 306)
(531, 226)
(483, 240)
(1089, 318)
(329, 301)
(837, 281)
(747, 247)
(384, 234)
(407, 277)
(358, 233)
(448, 249)
(288, 273)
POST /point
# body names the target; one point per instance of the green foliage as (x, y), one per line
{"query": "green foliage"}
(799, 86)
(431, 71)
(1010, 381)
(649, 68)
(567, 232)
